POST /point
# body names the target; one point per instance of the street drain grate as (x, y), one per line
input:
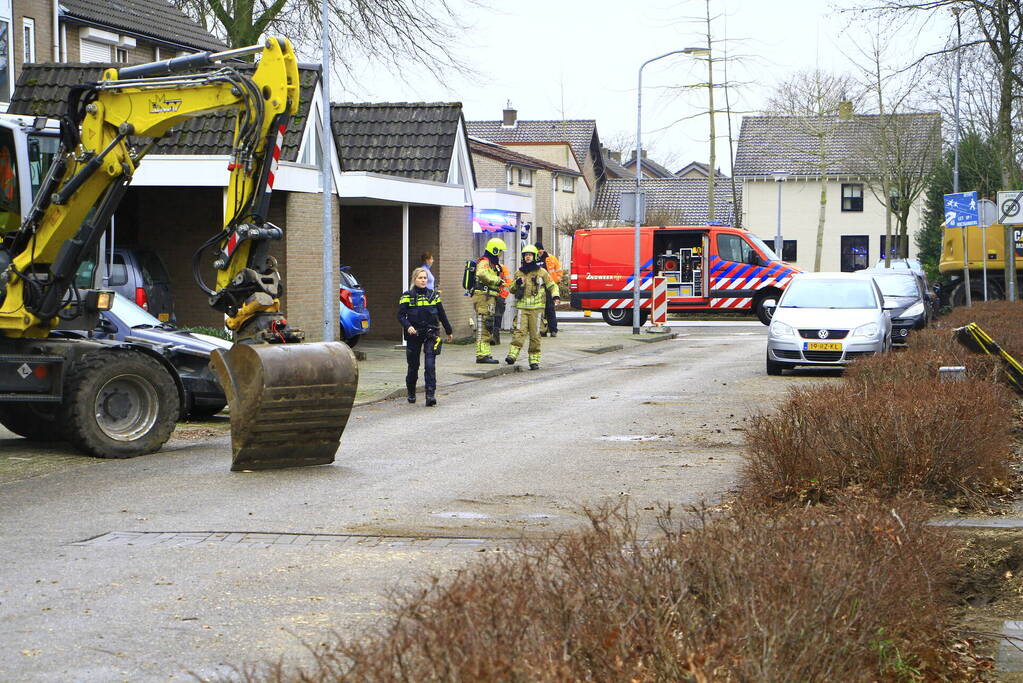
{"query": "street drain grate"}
(275, 540)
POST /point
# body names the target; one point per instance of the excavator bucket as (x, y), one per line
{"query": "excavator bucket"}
(289, 402)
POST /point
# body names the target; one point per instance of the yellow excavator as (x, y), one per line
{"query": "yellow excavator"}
(289, 399)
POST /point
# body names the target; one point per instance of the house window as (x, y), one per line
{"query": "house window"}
(5, 61)
(538, 237)
(788, 251)
(29, 40)
(855, 252)
(121, 55)
(525, 177)
(852, 197)
(511, 175)
(568, 184)
(898, 242)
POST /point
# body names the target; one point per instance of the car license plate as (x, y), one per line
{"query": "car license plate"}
(164, 317)
(822, 346)
(365, 324)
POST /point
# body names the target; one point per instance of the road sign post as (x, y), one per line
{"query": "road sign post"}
(988, 217)
(1009, 209)
(962, 211)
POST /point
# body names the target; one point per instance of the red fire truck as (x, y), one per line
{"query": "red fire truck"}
(708, 268)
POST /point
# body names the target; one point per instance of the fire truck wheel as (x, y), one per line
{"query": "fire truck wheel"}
(764, 312)
(622, 317)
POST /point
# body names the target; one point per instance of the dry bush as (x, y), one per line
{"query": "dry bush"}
(949, 441)
(1003, 320)
(858, 592)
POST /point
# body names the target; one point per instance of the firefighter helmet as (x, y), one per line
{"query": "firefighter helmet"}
(530, 249)
(495, 246)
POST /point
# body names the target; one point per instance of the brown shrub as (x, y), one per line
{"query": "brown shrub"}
(1003, 320)
(950, 441)
(854, 593)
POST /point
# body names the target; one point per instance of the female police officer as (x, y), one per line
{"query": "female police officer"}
(421, 313)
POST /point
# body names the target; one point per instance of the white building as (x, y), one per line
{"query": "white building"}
(778, 161)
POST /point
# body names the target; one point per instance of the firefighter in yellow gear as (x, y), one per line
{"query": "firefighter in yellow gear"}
(550, 263)
(531, 287)
(485, 296)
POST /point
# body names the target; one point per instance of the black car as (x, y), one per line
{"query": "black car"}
(188, 352)
(906, 299)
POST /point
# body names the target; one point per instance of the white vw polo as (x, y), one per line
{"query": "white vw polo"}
(827, 319)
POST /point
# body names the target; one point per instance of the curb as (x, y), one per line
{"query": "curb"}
(493, 372)
(659, 338)
(604, 349)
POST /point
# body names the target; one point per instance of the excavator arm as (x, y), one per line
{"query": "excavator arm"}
(288, 405)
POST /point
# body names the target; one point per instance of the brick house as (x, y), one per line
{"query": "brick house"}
(572, 144)
(403, 183)
(552, 188)
(408, 185)
(126, 32)
(777, 160)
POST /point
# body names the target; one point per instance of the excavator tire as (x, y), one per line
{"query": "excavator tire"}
(119, 404)
(289, 403)
(33, 421)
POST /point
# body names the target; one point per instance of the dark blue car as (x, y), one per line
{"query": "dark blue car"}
(354, 314)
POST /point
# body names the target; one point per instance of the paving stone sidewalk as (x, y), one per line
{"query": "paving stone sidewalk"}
(382, 363)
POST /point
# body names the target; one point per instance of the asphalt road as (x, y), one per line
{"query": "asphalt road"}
(90, 591)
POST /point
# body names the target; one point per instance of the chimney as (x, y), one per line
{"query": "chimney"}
(510, 116)
(845, 110)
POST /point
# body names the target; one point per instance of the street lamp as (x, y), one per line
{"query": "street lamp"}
(779, 244)
(639, 173)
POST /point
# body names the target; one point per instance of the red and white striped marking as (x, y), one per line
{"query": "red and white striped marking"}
(278, 143)
(659, 305)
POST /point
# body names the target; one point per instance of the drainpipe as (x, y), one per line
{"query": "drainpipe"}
(554, 211)
(56, 30)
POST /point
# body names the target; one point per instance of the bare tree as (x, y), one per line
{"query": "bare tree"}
(808, 107)
(899, 145)
(396, 33)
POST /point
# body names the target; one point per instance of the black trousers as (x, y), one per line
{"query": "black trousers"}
(550, 315)
(416, 345)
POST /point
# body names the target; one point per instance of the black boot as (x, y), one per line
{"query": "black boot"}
(490, 360)
(430, 400)
(411, 389)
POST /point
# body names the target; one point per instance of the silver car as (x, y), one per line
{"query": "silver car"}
(826, 320)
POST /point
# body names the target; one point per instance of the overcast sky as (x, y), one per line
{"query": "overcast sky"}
(579, 59)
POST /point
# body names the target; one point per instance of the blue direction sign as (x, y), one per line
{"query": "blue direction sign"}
(961, 210)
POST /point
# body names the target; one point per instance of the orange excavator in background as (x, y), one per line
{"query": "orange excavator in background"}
(289, 400)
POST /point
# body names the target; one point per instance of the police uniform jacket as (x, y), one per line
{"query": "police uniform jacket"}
(422, 309)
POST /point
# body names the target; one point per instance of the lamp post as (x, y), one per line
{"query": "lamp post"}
(779, 244)
(640, 205)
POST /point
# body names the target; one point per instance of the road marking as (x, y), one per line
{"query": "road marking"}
(262, 539)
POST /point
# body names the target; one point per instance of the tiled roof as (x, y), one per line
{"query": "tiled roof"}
(156, 19)
(700, 167)
(768, 144)
(495, 151)
(42, 90)
(676, 201)
(650, 165)
(577, 133)
(410, 139)
(614, 168)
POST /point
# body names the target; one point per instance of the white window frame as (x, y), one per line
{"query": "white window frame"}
(28, 40)
(511, 174)
(526, 177)
(6, 95)
(118, 51)
(568, 184)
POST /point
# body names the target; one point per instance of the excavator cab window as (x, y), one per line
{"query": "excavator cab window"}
(10, 204)
(42, 149)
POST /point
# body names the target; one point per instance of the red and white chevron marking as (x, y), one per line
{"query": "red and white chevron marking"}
(659, 302)
(627, 303)
(278, 143)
